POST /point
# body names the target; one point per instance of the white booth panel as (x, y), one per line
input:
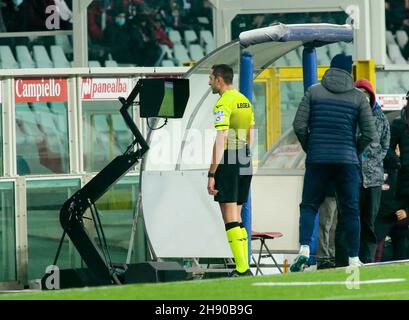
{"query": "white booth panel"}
(275, 208)
(181, 219)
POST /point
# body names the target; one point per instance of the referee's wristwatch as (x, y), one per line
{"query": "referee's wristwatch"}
(210, 174)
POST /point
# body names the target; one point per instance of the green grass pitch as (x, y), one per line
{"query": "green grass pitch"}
(389, 281)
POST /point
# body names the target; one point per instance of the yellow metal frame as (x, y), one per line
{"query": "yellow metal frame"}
(365, 69)
(269, 78)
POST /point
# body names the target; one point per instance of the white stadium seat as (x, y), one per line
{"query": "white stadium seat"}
(111, 64)
(59, 58)
(402, 38)
(167, 50)
(7, 58)
(41, 57)
(24, 57)
(167, 63)
(390, 39)
(196, 52)
(206, 37)
(394, 54)
(322, 56)
(190, 36)
(94, 64)
(175, 37)
(181, 54)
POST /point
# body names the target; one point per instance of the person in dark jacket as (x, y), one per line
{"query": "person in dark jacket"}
(400, 138)
(118, 37)
(400, 141)
(392, 218)
(372, 175)
(326, 125)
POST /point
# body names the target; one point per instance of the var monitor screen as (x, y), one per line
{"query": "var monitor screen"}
(163, 97)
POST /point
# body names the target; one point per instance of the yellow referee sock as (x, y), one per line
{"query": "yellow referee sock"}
(245, 244)
(235, 237)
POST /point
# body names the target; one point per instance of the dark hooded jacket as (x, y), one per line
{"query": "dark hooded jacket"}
(372, 157)
(327, 119)
(390, 202)
(400, 137)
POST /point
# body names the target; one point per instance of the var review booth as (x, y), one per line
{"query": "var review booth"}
(180, 219)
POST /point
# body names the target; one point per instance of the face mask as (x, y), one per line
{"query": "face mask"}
(17, 2)
(120, 21)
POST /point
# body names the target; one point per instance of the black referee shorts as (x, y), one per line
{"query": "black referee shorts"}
(233, 177)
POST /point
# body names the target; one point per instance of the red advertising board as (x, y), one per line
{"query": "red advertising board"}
(40, 90)
(390, 102)
(106, 88)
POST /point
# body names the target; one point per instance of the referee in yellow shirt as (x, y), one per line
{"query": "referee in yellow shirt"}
(230, 173)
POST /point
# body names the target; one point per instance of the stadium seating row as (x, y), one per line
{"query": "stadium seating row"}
(189, 48)
(39, 58)
(395, 44)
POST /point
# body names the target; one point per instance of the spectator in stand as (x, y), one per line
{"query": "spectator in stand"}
(172, 15)
(118, 38)
(134, 8)
(95, 23)
(175, 12)
(144, 42)
(394, 14)
(160, 35)
(259, 21)
(15, 15)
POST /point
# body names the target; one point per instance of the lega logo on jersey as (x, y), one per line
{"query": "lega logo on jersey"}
(243, 105)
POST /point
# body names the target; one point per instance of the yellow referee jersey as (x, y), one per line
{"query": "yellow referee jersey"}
(234, 112)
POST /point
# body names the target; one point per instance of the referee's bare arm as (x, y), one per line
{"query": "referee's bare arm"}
(250, 136)
(218, 150)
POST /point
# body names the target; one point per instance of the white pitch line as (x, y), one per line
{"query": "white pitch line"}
(324, 283)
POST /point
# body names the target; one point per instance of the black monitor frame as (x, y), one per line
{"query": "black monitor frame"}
(152, 96)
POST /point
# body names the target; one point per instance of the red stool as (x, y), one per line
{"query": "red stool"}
(262, 237)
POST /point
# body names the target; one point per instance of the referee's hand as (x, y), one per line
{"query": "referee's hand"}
(210, 187)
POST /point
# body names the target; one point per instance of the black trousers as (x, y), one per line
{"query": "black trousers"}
(398, 231)
(370, 201)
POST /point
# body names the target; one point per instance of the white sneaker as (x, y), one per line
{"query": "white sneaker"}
(355, 262)
(299, 263)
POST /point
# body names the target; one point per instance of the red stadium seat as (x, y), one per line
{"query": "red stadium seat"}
(262, 237)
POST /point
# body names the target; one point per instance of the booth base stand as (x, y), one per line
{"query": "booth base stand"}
(145, 272)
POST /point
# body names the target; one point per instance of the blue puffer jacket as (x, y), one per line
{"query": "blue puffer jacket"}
(327, 119)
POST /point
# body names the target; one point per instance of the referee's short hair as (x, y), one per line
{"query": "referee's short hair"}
(224, 71)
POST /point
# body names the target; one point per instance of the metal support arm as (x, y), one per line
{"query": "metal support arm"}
(71, 214)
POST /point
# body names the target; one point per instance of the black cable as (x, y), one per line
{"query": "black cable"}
(153, 129)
